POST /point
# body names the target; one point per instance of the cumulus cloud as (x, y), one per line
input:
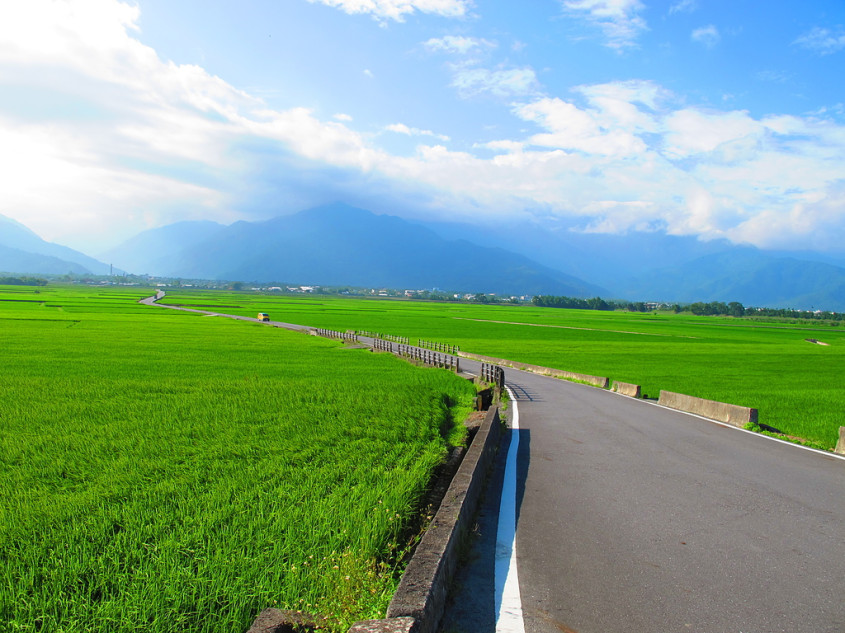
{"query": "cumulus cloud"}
(398, 9)
(573, 128)
(646, 160)
(149, 118)
(822, 40)
(155, 142)
(471, 77)
(691, 131)
(619, 20)
(457, 44)
(401, 128)
(683, 6)
(503, 82)
(707, 35)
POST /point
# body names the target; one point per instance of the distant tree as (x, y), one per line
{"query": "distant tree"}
(736, 309)
(22, 281)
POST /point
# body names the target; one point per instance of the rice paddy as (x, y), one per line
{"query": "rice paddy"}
(795, 384)
(161, 471)
(164, 471)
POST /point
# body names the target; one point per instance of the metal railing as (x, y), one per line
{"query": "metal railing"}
(493, 374)
(439, 347)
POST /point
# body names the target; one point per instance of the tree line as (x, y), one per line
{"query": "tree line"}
(22, 281)
(734, 308)
(595, 303)
(699, 308)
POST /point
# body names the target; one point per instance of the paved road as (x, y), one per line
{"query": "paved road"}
(632, 517)
(635, 518)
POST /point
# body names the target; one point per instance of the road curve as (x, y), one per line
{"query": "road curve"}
(632, 517)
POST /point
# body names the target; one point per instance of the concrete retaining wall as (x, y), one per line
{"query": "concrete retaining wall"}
(729, 413)
(840, 445)
(627, 389)
(419, 601)
(595, 381)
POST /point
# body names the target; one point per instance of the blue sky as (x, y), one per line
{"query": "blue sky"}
(711, 118)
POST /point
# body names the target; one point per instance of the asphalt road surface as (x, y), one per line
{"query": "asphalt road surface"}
(635, 518)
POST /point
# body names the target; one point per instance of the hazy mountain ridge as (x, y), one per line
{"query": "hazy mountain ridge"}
(654, 266)
(24, 252)
(752, 278)
(342, 245)
(151, 252)
(16, 261)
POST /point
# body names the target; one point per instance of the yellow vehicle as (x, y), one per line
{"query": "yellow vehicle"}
(263, 316)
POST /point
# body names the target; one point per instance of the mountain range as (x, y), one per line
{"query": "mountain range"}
(342, 245)
(336, 245)
(22, 251)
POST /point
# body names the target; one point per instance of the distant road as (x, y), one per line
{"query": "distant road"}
(633, 518)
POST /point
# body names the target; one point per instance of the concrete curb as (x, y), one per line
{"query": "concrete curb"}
(840, 445)
(595, 381)
(417, 606)
(627, 389)
(728, 413)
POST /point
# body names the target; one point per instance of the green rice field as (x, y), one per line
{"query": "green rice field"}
(162, 471)
(796, 385)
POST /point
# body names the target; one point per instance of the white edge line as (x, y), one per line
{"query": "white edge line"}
(731, 426)
(508, 600)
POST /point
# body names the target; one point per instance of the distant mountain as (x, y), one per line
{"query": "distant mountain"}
(655, 266)
(13, 260)
(602, 258)
(25, 252)
(751, 277)
(152, 252)
(342, 245)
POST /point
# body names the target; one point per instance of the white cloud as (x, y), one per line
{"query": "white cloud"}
(401, 128)
(618, 19)
(157, 118)
(690, 131)
(504, 82)
(707, 35)
(773, 76)
(170, 142)
(471, 78)
(683, 6)
(504, 146)
(823, 40)
(604, 130)
(398, 9)
(458, 44)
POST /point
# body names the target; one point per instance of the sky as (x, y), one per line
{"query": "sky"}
(712, 118)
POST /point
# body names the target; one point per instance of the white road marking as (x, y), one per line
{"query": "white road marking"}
(735, 428)
(508, 601)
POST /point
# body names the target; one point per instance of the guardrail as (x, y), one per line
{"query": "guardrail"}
(384, 337)
(493, 374)
(439, 347)
(382, 346)
(428, 357)
(344, 336)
